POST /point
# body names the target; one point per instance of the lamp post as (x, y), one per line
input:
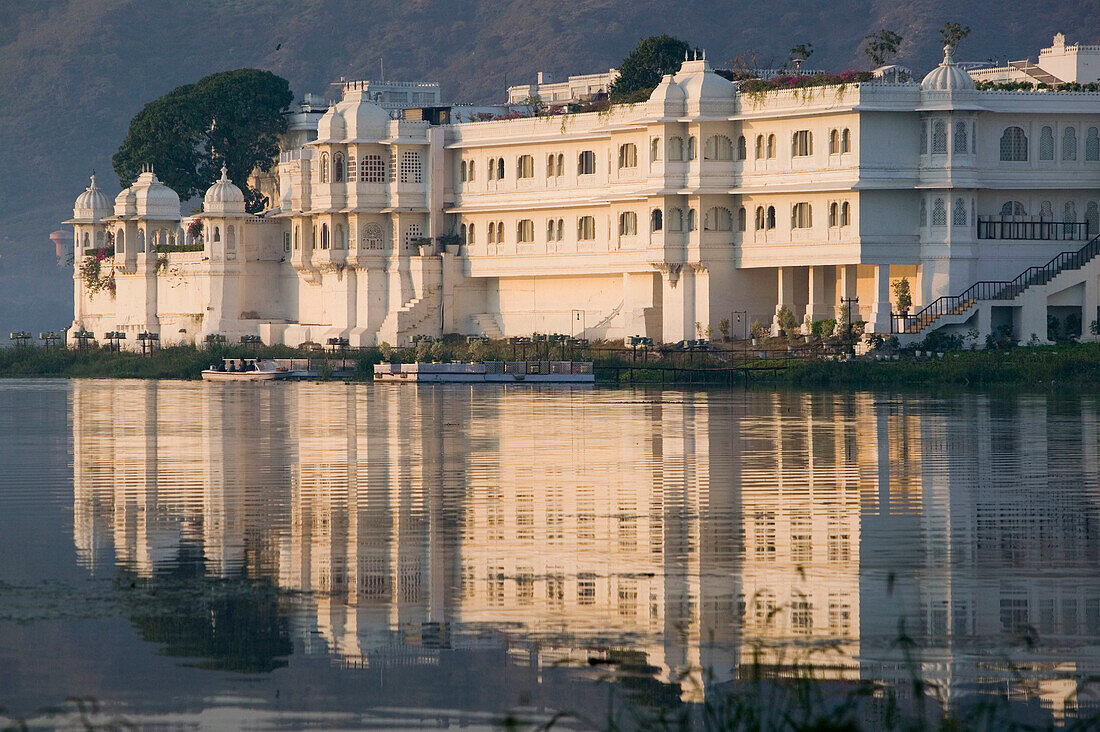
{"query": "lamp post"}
(49, 337)
(20, 337)
(82, 337)
(114, 339)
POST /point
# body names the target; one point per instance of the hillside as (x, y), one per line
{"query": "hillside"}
(73, 72)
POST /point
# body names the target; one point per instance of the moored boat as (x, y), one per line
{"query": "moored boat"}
(489, 372)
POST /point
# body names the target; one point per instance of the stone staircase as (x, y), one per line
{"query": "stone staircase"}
(419, 316)
(951, 308)
(486, 325)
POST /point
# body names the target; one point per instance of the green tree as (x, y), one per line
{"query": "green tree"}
(641, 71)
(881, 47)
(800, 53)
(954, 33)
(903, 296)
(232, 118)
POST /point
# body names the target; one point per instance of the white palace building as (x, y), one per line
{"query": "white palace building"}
(658, 219)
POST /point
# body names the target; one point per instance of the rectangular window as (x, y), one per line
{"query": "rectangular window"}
(525, 167)
(802, 144)
(801, 216)
(525, 231)
(410, 167)
(586, 589)
(372, 169)
(586, 228)
(586, 163)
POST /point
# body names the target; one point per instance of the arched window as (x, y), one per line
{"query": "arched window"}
(924, 137)
(802, 144)
(1014, 145)
(462, 174)
(939, 213)
(550, 165)
(341, 237)
(939, 137)
(230, 238)
(1046, 143)
(628, 223)
(958, 213)
(675, 148)
(88, 241)
(846, 141)
(1013, 208)
(742, 219)
(525, 167)
(1069, 144)
(675, 219)
(337, 168)
(470, 170)
(500, 169)
(586, 163)
(373, 170)
(324, 236)
(561, 164)
(1092, 145)
(1092, 218)
(525, 230)
(691, 148)
(923, 213)
(742, 148)
(471, 237)
(802, 216)
(654, 149)
(717, 218)
(141, 237)
(845, 213)
(561, 229)
(718, 147)
(691, 219)
(759, 218)
(1069, 214)
(586, 228)
(834, 215)
(120, 241)
(834, 142)
(769, 222)
(1046, 211)
(492, 233)
(656, 220)
(492, 167)
(628, 155)
(500, 230)
(462, 234)
(958, 141)
(324, 167)
(771, 147)
(549, 229)
(760, 147)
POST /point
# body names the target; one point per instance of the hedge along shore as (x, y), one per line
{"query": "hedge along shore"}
(1035, 366)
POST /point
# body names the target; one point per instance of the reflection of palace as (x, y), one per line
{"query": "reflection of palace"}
(704, 532)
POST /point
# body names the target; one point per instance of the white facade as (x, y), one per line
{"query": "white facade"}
(659, 218)
(1057, 64)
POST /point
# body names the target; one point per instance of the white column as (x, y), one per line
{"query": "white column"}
(817, 307)
(785, 298)
(847, 290)
(880, 309)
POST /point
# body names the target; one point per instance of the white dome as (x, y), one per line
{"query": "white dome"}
(223, 197)
(331, 128)
(126, 202)
(153, 199)
(355, 117)
(92, 203)
(947, 76)
(668, 98)
(706, 91)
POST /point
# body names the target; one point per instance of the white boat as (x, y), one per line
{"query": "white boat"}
(262, 369)
(489, 372)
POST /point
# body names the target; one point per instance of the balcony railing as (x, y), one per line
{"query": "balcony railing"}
(1017, 227)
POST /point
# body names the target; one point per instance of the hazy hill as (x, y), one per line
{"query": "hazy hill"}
(73, 72)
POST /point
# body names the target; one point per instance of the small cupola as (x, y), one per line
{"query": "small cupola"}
(947, 76)
(223, 197)
(92, 204)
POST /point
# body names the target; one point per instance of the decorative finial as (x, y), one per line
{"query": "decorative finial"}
(948, 55)
(704, 54)
(224, 174)
(686, 55)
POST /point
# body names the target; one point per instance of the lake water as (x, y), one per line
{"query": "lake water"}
(283, 555)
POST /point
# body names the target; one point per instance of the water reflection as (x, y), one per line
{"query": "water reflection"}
(674, 538)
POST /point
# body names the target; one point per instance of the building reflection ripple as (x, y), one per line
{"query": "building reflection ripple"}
(681, 537)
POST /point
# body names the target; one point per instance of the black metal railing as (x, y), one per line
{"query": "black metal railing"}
(1015, 227)
(993, 290)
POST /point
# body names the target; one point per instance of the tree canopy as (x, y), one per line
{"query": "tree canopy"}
(231, 118)
(880, 47)
(641, 71)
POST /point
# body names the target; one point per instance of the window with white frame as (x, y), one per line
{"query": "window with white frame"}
(691, 219)
(1069, 214)
(500, 231)
(834, 142)
(802, 144)
(550, 230)
(628, 223)
(561, 229)
(692, 154)
(958, 213)
(561, 165)
(760, 218)
(1069, 144)
(1046, 211)
(718, 147)
(324, 236)
(742, 219)
(373, 236)
(373, 170)
(742, 148)
(717, 218)
(939, 213)
(492, 233)
(958, 138)
(802, 216)
(338, 168)
(462, 172)
(846, 140)
(834, 215)
(628, 155)
(525, 166)
(471, 174)
(500, 168)
(586, 163)
(525, 231)
(324, 167)
(771, 151)
(1013, 208)
(1046, 143)
(939, 137)
(586, 228)
(769, 218)
(410, 167)
(656, 220)
(412, 234)
(1014, 145)
(654, 149)
(845, 213)
(760, 142)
